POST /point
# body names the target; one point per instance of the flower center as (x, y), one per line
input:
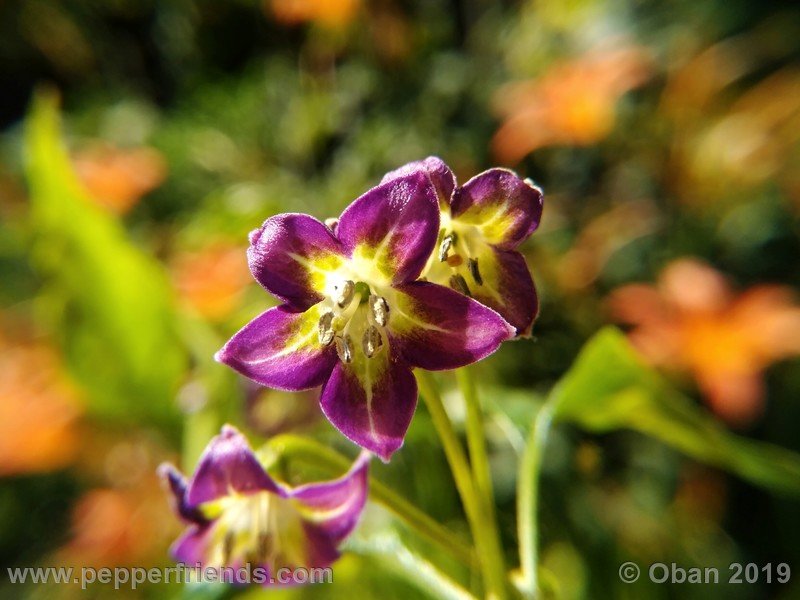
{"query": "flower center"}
(253, 528)
(457, 250)
(354, 320)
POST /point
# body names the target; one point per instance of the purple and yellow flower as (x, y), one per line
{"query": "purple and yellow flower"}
(239, 516)
(354, 318)
(482, 224)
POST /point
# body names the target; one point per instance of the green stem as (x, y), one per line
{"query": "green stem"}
(487, 545)
(312, 452)
(479, 458)
(528, 500)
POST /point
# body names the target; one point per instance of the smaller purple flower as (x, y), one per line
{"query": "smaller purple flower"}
(482, 224)
(355, 320)
(239, 516)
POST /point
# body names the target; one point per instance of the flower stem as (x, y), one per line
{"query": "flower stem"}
(528, 500)
(487, 544)
(312, 452)
(479, 458)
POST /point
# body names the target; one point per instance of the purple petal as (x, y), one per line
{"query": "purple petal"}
(228, 464)
(371, 401)
(335, 506)
(394, 226)
(291, 256)
(502, 206)
(507, 287)
(192, 546)
(441, 176)
(280, 349)
(321, 550)
(436, 328)
(178, 485)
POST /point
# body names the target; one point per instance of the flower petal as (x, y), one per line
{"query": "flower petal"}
(371, 401)
(437, 328)
(506, 286)
(334, 507)
(280, 349)
(192, 546)
(393, 226)
(178, 485)
(502, 206)
(228, 464)
(292, 255)
(441, 175)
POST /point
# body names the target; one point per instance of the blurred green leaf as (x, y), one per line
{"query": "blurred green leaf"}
(610, 388)
(110, 302)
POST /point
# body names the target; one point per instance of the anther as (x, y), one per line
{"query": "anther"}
(444, 248)
(326, 332)
(380, 310)
(459, 284)
(472, 263)
(344, 348)
(346, 293)
(372, 341)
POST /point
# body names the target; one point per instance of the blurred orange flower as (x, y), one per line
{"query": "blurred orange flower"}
(333, 13)
(38, 410)
(693, 321)
(726, 142)
(571, 104)
(118, 178)
(212, 280)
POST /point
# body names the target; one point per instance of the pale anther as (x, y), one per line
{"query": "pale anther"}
(444, 248)
(380, 310)
(372, 341)
(345, 293)
(326, 332)
(344, 348)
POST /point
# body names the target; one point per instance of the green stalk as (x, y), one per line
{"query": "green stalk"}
(314, 453)
(528, 501)
(487, 545)
(479, 458)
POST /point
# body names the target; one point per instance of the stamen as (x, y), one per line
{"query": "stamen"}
(459, 284)
(264, 547)
(445, 246)
(372, 341)
(472, 263)
(227, 547)
(344, 348)
(326, 332)
(380, 310)
(346, 293)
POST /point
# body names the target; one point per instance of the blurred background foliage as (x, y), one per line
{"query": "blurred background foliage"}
(666, 137)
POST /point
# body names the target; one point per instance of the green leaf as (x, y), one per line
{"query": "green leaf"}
(389, 551)
(610, 388)
(110, 303)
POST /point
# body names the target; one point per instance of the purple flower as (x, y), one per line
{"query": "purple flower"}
(354, 319)
(482, 224)
(239, 516)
